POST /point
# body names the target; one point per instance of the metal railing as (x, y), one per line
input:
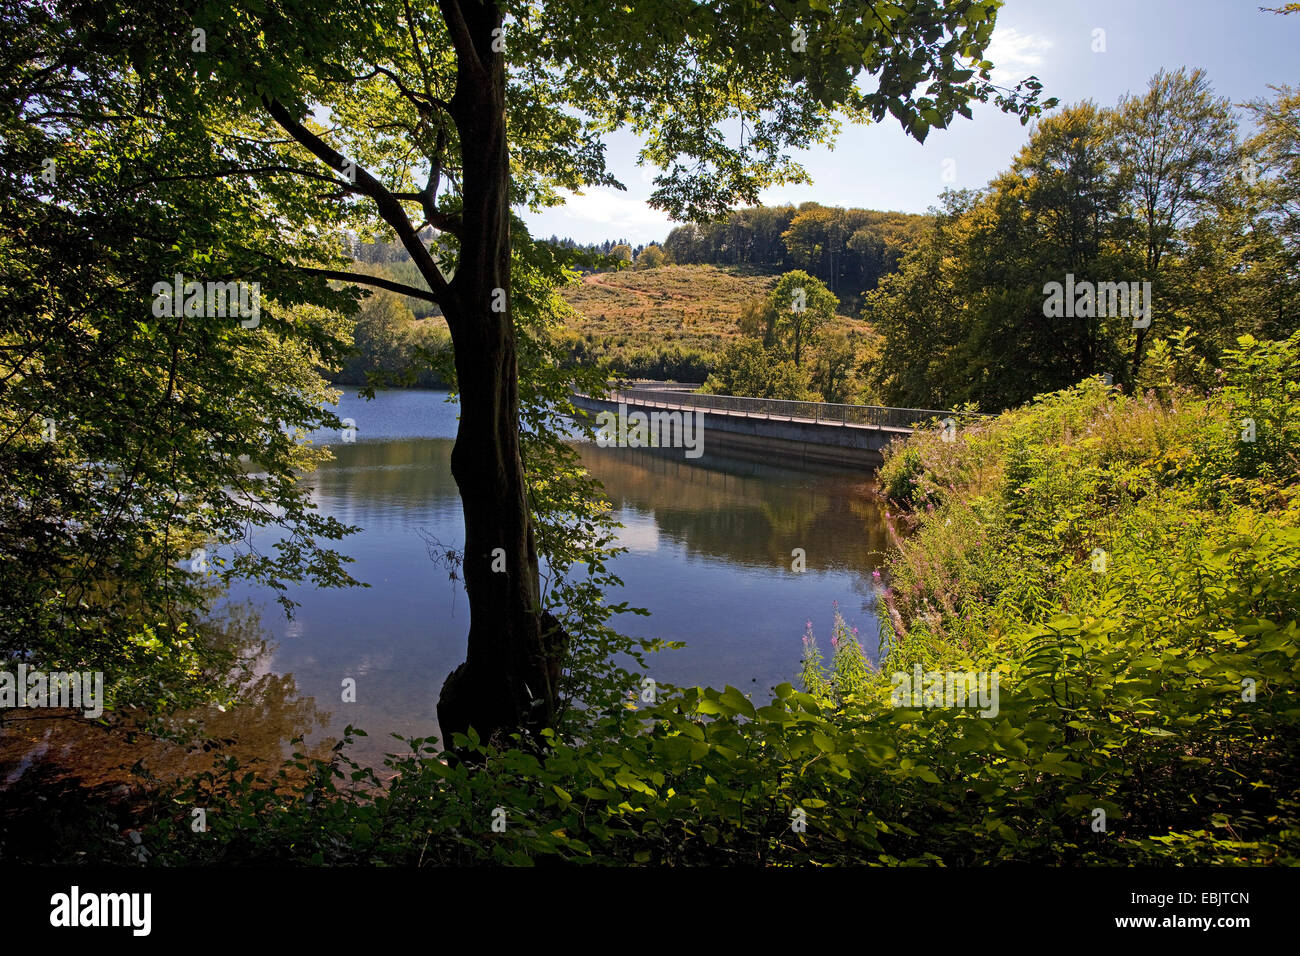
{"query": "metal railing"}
(654, 385)
(863, 416)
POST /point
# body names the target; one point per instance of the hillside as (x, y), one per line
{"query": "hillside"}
(690, 305)
(680, 316)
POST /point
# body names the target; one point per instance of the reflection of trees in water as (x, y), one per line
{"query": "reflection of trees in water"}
(409, 469)
(747, 512)
(55, 752)
(751, 510)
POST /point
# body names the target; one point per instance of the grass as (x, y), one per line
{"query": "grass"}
(693, 308)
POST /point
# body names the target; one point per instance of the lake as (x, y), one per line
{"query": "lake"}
(708, 540)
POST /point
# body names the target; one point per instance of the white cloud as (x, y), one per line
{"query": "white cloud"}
(638, 534)
(1015, 55)
(616, 210)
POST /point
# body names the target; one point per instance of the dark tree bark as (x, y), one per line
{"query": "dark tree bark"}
(509, 677)
(511, 672)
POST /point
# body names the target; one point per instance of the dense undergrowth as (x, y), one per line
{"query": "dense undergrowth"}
(1127, 566)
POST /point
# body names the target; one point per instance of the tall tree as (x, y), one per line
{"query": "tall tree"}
(1270, 177)
(1177, 144)
(800, 306)
(922, 312)
(1058, 214)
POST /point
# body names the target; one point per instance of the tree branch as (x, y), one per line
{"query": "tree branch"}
(386, 204)
(442, 221)
(425, 103)
(363, 279)
(238, 171)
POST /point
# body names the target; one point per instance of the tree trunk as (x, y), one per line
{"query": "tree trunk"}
(509, 677)
(1153, 266)
(1137, 359)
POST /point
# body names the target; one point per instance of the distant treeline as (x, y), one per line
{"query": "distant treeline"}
(606, 248)
(673, 363)
(394, 348)
(390, 260)
(848, 249)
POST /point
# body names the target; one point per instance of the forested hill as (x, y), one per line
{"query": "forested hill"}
(664, 322)
(848, 249)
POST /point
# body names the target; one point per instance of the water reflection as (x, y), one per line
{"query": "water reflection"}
(709, 554)
(53, 752)
(747, 513)
(711, 544)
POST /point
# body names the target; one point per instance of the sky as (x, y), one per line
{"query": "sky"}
(1242, 49)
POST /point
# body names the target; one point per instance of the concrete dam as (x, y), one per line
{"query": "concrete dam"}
(817, 432)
